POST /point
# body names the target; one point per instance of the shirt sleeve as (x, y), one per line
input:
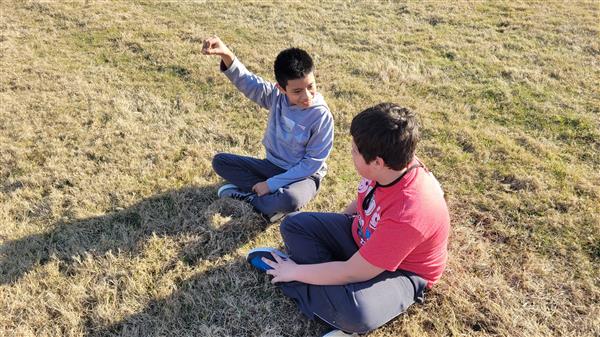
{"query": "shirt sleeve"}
(318, 149)
(391, 243)
(251, 85)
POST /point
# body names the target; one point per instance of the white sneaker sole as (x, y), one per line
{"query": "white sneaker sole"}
(268, 250)
(225, 187)
(277, 217)
(339, 333)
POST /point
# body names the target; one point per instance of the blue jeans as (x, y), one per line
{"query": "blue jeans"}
(357, 307)
(245, 172)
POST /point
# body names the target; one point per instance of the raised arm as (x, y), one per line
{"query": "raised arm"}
(251, 85)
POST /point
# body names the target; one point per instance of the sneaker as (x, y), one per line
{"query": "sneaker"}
(255, 257)
(339, 333)
(275, 217)
(233, 192)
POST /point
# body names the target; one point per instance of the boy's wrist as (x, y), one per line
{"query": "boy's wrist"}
(296, 273)
(227, 57)
(269, 184)
(228, 53)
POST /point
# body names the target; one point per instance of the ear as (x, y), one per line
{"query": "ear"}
(379, 162)
(280, 88)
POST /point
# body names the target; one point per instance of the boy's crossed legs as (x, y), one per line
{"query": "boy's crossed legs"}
(245, 172)
(356, 307)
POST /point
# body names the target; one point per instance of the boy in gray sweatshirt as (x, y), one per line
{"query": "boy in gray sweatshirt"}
(298, 138)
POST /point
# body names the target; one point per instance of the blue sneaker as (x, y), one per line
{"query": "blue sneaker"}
(233, 192)
(255, 257)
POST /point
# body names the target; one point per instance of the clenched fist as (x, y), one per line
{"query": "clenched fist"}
(214, 46)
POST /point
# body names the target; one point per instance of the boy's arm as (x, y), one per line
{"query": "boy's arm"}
(351, 208)
(251, 85)
(317, 150)
(354, 270)
(382, 248)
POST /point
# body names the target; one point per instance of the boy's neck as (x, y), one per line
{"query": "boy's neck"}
(387, 176)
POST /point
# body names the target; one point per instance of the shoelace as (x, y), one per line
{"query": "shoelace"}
(240, 196)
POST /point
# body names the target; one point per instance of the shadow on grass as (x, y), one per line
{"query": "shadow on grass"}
(165, 214)
(229, 299)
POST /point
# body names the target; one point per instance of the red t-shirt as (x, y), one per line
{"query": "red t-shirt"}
(405, 226)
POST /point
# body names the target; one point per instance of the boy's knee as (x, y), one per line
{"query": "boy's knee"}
(219, 160)
(291, 222)
(368, 316)
(294, 202)
(283, 203)
(355, 327)
(355, 322)
(350, 320)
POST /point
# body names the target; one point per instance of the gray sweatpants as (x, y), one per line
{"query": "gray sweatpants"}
(245, 172)
(356, 307)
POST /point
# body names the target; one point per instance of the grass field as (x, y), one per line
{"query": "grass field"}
(110, 115)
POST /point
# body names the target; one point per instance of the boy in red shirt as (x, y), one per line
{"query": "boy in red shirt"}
(360, 269)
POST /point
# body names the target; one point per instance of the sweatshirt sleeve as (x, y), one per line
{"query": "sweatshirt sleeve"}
(318, 149)
(251, 85)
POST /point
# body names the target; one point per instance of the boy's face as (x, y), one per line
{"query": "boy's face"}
(364, 169)
(301, 91)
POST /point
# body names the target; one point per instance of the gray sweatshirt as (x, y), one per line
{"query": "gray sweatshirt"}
(297, 139)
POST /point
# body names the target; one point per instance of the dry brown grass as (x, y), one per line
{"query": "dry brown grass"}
(109, 118)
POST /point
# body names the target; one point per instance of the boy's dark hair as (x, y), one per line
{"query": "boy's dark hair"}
(387, 131)
(291, 64)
